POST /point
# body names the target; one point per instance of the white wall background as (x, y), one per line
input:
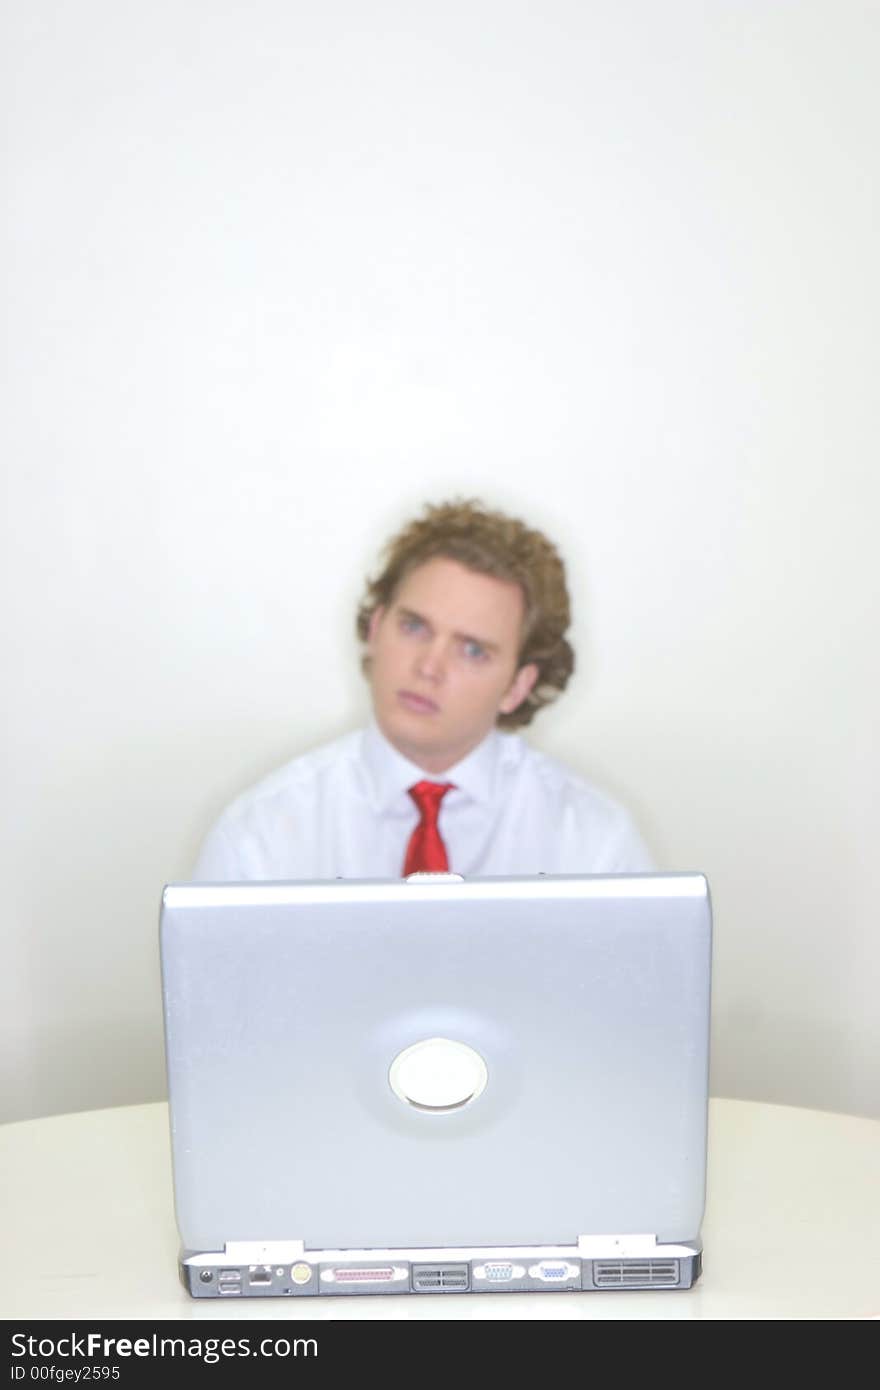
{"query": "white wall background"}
(276, 273)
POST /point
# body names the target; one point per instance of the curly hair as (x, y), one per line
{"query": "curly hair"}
(490, 543)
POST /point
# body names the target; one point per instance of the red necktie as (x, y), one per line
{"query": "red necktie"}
(426, 852)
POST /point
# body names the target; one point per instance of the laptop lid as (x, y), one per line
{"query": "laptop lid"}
(573, 1101)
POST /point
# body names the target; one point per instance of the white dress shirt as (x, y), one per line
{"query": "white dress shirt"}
(342, 811)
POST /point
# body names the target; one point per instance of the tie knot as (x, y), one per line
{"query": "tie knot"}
(428, 795)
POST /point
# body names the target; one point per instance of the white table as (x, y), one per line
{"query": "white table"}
(792, 1228)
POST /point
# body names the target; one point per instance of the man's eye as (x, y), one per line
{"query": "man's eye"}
(474, 651)
(410, 624)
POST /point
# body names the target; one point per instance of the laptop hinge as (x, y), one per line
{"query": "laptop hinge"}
(619, 1247)
(260, 1252)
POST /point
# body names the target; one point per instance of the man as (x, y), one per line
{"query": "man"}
(464, 634)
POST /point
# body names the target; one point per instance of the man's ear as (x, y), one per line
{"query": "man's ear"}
(522, 684)
(375, 620)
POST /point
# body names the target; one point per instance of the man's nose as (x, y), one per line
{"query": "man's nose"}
(432, 661)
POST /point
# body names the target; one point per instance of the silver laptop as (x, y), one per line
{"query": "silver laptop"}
(438, 1085)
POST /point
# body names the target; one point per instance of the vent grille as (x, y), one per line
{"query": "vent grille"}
(619, 1274)
(440, 1278)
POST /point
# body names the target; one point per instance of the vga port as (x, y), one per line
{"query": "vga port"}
(554, 1272)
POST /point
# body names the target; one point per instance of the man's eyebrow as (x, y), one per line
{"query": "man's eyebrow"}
(411, 613)
(480, 641)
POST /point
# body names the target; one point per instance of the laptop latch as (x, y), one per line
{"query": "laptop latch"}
(424, 876)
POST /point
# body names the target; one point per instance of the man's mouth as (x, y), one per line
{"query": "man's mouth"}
(418, 704)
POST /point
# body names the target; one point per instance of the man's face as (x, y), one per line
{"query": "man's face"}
(443, 661)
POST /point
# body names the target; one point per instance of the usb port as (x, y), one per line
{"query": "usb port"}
(229, 1281)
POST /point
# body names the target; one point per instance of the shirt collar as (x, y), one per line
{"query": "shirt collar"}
(391, 773)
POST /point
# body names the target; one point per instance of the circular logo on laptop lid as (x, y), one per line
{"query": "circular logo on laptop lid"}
(438, 1075)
